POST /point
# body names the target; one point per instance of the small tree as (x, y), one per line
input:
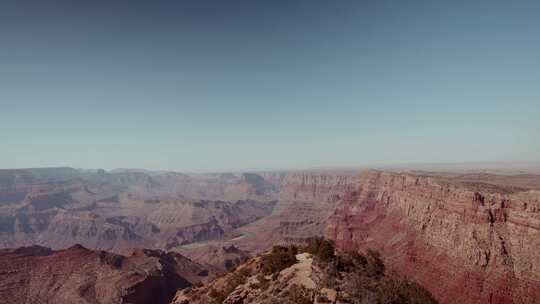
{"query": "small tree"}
(321, 248)
(375, 265)
(280, 258)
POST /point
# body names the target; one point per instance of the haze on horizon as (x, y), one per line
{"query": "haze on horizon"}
(227, 85)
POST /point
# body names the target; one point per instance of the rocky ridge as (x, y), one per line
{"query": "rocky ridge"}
(79, 275)
(300, 276)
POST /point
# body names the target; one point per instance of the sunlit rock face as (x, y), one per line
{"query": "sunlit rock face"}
(466, 242)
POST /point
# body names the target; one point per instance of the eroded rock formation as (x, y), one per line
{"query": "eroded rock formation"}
(79, 275)
(118, 211)
(467, 243)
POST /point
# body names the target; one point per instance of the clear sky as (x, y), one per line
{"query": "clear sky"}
(220, 85)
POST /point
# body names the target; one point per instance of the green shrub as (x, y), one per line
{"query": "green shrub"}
(394, 291)
(217, 296)
(321, 248)
(278, 259)
(375, 265)
(300, 295)
(364, 280)
(235, 279)
(350, 261)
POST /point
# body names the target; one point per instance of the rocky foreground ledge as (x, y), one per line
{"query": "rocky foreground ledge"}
(311, 274)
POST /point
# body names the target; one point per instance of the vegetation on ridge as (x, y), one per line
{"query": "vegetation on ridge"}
(362, 278)
(351, 277)
(279, 258)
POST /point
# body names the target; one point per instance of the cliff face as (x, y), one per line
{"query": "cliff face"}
(316, 187)
(465, 243)
(78, 275)
(305, 200)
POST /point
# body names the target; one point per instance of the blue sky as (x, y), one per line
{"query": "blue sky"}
(226, 85)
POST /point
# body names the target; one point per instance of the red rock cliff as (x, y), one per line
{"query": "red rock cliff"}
(79, 275)
(465, 245)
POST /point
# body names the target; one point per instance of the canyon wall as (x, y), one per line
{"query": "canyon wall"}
(305, 200)
(467, 243)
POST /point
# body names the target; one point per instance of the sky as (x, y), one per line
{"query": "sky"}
(235, 85)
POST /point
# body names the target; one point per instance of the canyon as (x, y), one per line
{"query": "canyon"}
(120, 211)
(79, 275)
(467, 237)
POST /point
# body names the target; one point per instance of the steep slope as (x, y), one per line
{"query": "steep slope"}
(467, 243)
(293, 275)
(78, 275)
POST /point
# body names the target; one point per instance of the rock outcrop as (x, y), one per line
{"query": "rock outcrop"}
(79, 275)
(291, 275)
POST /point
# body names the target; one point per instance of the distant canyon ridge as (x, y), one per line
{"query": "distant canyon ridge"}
(468, 237)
